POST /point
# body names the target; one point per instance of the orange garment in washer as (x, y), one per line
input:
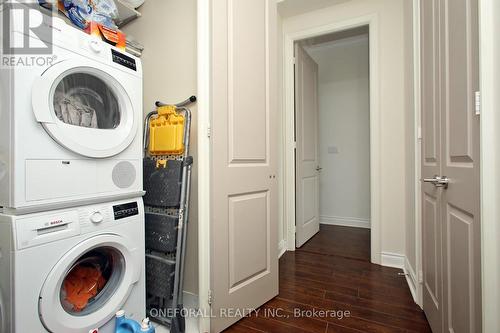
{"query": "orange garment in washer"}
(82, 284)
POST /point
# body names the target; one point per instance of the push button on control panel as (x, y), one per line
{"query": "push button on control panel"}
(96, 217)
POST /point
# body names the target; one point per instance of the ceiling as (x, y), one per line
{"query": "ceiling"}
(288, 8)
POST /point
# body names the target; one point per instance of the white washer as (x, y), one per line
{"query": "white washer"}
(40, 252)
(70, 121)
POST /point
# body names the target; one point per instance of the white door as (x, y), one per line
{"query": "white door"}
(244, 207)
(83, 106)
(306, 155)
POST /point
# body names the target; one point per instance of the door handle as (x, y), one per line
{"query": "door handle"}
(438, 181)
(318, 168)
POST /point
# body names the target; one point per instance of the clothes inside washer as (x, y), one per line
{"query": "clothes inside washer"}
(83, 283)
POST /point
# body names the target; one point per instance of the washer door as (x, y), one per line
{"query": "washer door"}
(83, 106)
(89, 284)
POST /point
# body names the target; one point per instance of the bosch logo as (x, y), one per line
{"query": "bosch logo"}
(56, 222)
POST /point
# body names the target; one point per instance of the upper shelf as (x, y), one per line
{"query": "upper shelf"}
(125, 13)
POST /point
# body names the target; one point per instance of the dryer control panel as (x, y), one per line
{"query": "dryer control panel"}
(123, 60)
(125, 210)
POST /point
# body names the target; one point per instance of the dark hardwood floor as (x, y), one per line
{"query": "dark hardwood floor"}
(329, 285)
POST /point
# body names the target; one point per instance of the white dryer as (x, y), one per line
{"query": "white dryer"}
(70, 121)
(48, 260)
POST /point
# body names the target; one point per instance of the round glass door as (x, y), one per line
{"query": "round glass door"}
(85, 107)
(89, 284)
(85, 100)
(92, 281)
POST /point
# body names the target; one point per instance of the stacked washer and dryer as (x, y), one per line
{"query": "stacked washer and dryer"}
(71, 187)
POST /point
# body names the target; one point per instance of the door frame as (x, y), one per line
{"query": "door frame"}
(490, 161)
(416, 273)
(204, 79)
(288, 127)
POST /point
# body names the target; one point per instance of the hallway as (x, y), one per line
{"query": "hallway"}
(329, 285)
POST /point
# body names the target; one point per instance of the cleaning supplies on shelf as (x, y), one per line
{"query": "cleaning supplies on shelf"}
(166, 132)
(82, 12)
(99, 18)
(127, 325)
(111, 36)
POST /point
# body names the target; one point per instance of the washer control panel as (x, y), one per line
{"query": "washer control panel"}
(125, 210)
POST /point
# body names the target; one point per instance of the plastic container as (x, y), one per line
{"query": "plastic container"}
(162, 182)
(161, 232)
(166, 132)
(127, 325)
(159, 276)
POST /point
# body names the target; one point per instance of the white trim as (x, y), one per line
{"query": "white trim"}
(288, 123)
(281, 248)
(190, 300)
(339, 42)
(490, 162)
(411, 279)
(390, 259)
(289, 144)
(418, 147)
(204, 81)
(400, 261)
(355, 222)
(190, 303)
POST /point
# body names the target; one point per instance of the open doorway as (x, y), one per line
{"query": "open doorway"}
(332, 149)
(332, 128)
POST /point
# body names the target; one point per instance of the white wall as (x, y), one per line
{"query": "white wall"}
(167, 29)
(391, 86)
(344, 126)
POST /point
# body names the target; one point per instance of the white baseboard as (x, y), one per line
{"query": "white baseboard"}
(390, 259)
(190, 303)
(400, 261)
(190, 300)
(345, 221)
(411, 279)
(281, 248)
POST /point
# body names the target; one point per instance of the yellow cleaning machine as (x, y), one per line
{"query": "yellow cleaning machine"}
(167, 182)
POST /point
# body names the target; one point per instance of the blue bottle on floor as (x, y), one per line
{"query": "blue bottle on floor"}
(127, 325)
